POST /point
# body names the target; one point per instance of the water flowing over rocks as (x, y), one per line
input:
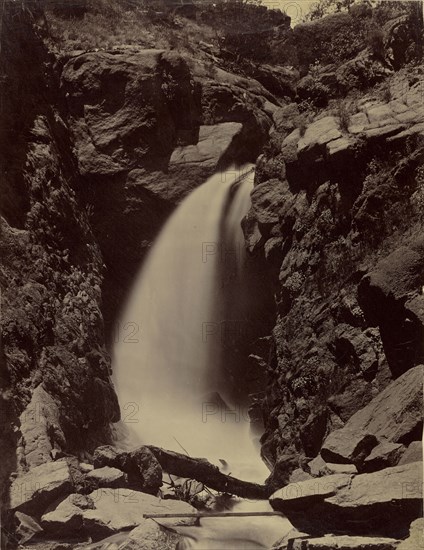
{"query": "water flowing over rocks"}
(108, 143)
(203, 471)
(152, 128)
(150, 535)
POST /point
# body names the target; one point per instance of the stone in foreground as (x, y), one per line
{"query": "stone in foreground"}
(382, 503)
(414, 453)
(107, 511)
(392, 415)
(348, 445)
(415, 541)
(27, 527)
(40, 486)
(318, 468)
(107, 477)
(341, 542)
(149, 535)
(141, 466)
(383, 456)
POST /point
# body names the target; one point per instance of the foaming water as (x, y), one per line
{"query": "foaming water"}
(168, 363)
(232, 533)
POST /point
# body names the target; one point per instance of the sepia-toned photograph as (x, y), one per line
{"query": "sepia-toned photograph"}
(211, 274)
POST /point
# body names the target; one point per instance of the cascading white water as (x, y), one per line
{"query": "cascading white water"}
(167, 362)
(167, 359)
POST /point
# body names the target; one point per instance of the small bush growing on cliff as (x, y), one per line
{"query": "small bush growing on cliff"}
(245, 29)
(332, 39)
(311, 89)
(302, 125)
(294, 283)
(418, 196)
(273, 147)
(344, 116)
(375, 40)
(386, 92)
(302, 120)
(110, 23)
(211, 69)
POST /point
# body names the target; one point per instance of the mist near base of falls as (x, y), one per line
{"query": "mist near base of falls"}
(170, 373)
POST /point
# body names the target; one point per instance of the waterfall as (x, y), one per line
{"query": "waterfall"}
(168, 357)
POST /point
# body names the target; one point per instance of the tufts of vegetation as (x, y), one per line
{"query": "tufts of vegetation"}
(333, 39)
(302, 124)
(105, 24)
(344, 116)
(375, 40)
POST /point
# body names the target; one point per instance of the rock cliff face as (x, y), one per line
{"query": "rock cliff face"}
(97, 149)
(150, 128)
(51, 274)
(337, 206)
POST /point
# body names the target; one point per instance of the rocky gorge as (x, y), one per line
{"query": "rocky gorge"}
(99, 144)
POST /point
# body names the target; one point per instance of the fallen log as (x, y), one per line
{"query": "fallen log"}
(204, 472)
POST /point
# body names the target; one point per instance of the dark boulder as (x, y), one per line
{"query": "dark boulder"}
(382, 503)
(143, 470)
(394, 415)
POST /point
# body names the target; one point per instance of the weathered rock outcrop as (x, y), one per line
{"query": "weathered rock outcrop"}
(41, 486)
(55, 367)
(151, 128)
(395, 415)
(97, 149)
(391, 298)
(108, 511)
(334, 142)
(382, 503)
(40, 429)
(414, 453)
(328, 196)
(341, 542)
(142, 467)
(415, 539)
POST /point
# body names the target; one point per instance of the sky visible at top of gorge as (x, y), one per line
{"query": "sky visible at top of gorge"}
(296, 9)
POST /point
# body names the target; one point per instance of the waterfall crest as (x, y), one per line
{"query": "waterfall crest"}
(169, 356)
